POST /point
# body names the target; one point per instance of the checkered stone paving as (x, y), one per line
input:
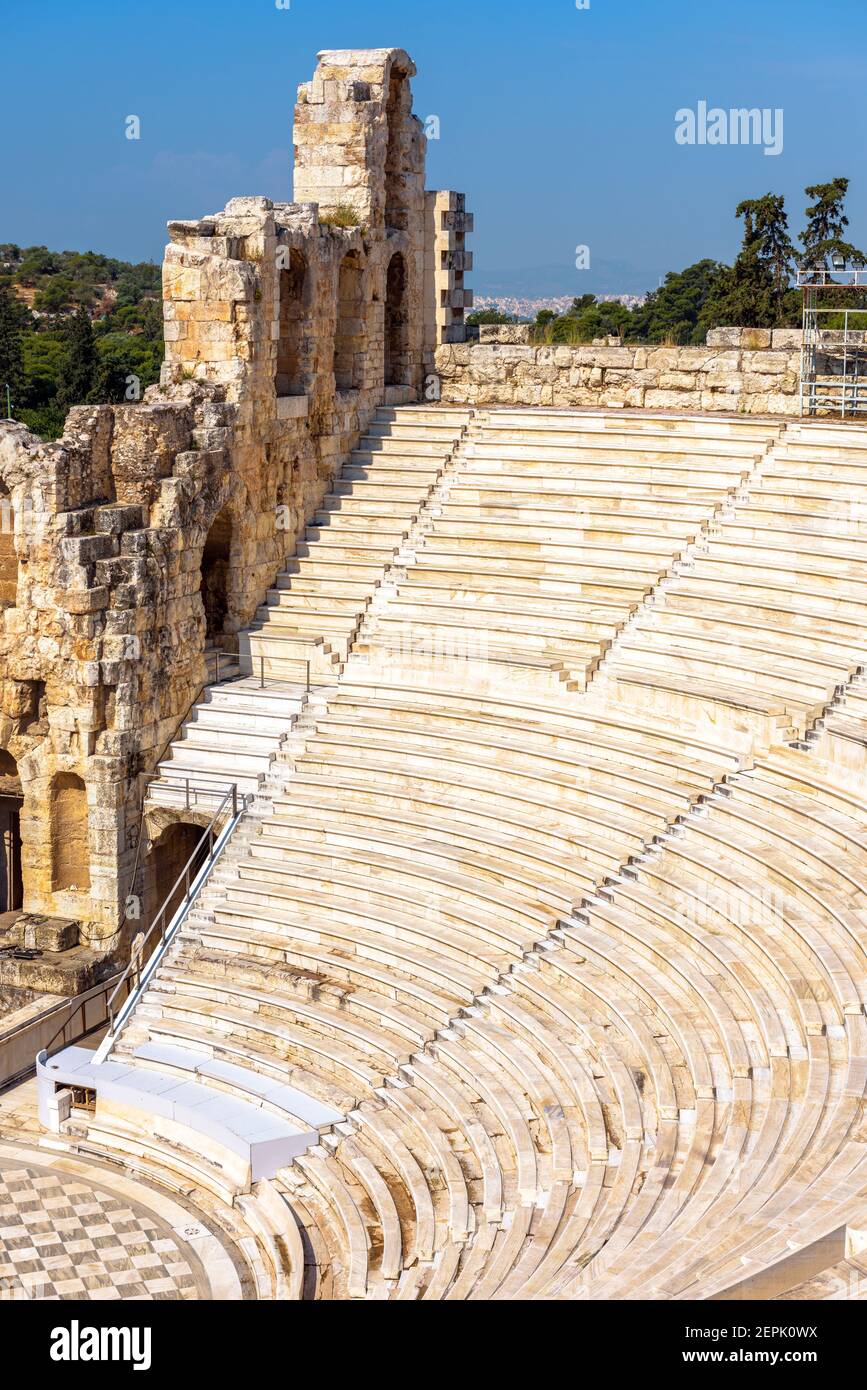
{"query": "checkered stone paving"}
(61, 1237)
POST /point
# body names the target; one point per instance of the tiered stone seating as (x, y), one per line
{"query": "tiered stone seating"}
(567, 994)
(765, 624)
(303, 630)
(312, 614)
(756, 907)
(423, 849)
(552, 533)
(842, 731)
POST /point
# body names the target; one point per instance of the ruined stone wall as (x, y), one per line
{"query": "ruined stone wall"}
(286, 325)
(742, 380)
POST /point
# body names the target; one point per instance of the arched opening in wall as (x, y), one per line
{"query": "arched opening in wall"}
(289, 376)
(179, 844)
(396, 323)
(350, 338)
(216, 557)
(70, 842)
(398, 111)
(11, 801)
(8, 557)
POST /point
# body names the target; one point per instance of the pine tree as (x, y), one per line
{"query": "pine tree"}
(11, 360)
(755, 292)
(823, 236)
(80, 361)
(776, 249)
(745, 294)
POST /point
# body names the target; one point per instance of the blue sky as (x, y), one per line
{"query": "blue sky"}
(557, 122)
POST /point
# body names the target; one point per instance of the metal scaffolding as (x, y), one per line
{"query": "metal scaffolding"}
(833, 360)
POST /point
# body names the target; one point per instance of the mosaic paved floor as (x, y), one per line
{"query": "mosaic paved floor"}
(62, 1237)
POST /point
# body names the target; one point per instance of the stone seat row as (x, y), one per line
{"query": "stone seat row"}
(786, 934)
(588, 1109)
(766, 612)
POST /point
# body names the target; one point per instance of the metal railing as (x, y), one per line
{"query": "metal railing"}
(215, 658)
(78, 1018)
(80, 1006)
(821, 278)
(262, 683)
(190, 878)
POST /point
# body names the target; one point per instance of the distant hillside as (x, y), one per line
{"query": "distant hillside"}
(75, 327)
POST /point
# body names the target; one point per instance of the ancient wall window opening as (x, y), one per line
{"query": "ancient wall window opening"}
(8, 556)
(11, 802)
(70, 841)
(398, 112)
(396, 324)
(36, 719)
(216, 558)
(289, 379)
(350, 339)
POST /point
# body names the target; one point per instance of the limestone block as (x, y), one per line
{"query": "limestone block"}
(787, 339)
(86, 600)
(631, 397)
(747, 338)
(721, 401)
(779, 404)
(759, 383)
(721, 381)
(672, 360)
(676, 381)
(511, 333)
(672, 400)
(637, 379)
(771, 363)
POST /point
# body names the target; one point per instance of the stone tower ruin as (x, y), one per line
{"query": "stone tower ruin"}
(147, 536)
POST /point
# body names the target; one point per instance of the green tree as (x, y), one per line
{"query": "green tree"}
(824, 235)
(125, 366)
(56, 295)
(744, 293)
(771, 225)
(35, 262)
(79, 364)
(489, 316)
(678, 311)
(756, 291)
(13, 317)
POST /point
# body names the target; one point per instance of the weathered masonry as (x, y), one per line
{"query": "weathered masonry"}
(740, 371)
(150, 532)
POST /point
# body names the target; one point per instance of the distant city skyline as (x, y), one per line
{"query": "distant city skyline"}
(523, 307)
(558, 123)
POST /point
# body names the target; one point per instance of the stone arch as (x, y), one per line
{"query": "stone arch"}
(398, 116)
(8, 554)
(177, 844)
(350, 338)
(396, 323)
(289, 377)
(70, 839)
(11, 801)
(216, 561)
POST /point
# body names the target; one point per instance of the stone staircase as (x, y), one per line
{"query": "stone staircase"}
(311, 616)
